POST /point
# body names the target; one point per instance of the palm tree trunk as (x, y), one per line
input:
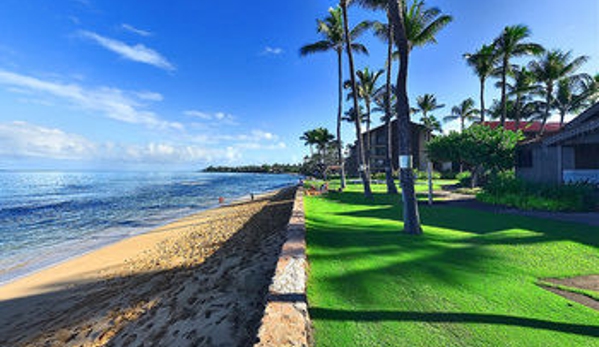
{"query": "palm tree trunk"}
(482, 100)
(462, 123)
(368, 146)
(549, 91)
(503, 96)
(391, 188)
(339, 115)
(517, 113)
(562, 117)
(363, 168)
(410, 207)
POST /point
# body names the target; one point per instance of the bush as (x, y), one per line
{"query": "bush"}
(423, 175)
(505, 189)
(448, 175)
(379, 176)
(465, 178)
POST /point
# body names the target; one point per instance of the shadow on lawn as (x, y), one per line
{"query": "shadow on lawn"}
(472, 221)
(449, 317)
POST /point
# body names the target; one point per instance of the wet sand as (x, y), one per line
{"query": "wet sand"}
(200, 281)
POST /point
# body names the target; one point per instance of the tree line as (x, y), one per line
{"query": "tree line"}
(548, 82)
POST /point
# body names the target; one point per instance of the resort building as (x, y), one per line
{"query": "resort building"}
(570, 155)
(378, 148)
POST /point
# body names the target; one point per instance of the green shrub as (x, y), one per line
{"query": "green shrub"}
(379, 176)
(465, 178)
(423, 175)
(448, 175)
(505, 189)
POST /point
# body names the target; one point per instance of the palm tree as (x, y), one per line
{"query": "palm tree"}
(322, 138)
(426, 103)
(572, 95)
(309, 138)
(465, 111)
(384, 99)
(366, 85)
(431, 123)
(551, 67)
(509, 45)
(331, 29)
(411, 27)
(364, 169)
(483, 62)
(521, 86)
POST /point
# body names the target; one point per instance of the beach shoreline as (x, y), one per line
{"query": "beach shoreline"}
(51, 257)
(208, 258)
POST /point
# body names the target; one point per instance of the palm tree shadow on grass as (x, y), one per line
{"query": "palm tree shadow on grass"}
(450, 317)
(82, 305)
(479, 223)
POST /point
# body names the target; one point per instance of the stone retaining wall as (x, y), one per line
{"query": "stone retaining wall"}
(286, 321)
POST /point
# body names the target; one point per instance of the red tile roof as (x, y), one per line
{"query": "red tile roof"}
(527, 127)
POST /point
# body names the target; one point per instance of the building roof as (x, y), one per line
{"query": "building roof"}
(526, 127)
(393, 124)
(586, 122)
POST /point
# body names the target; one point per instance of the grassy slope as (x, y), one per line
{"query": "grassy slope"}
(468, 281)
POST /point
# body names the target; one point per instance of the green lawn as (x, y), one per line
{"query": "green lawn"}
(470, 280)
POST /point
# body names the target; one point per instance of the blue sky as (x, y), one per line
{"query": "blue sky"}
(90, 84)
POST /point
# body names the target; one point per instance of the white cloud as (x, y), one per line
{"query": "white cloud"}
(138, 52)
(272, 51)
(24, 139)
(112, 102)
(218, 118)
(21, 139)
(135, 30)
(149, 96)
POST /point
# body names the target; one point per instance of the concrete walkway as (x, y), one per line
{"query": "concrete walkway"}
(468, 201)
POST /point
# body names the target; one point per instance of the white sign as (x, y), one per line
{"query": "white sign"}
(405, 161)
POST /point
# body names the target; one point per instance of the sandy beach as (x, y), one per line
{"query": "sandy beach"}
(200, 281)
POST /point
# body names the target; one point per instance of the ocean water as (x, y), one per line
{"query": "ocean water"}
(49, 217)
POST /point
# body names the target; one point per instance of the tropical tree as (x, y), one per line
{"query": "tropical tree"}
(483, 62)
(309, 138)
(383, 99)
(465, 111)
(510, 44)
(431, 123)
(426, 103)
(520, 88)
(363, 165)
(322, 138)
(331, 28)
(413, 26)
(571, 95)
(366, 86)
(550, 68)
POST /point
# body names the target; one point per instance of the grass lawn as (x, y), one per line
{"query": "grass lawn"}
(470, 280)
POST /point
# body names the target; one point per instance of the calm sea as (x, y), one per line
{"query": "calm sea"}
(48, 217)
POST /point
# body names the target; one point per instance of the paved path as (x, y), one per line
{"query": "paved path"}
(468, 201)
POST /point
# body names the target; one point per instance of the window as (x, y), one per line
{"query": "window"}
(524, 157)
(586, 156)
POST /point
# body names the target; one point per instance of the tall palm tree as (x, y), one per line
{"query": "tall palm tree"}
(384, 32)
(384, 99)
(483, 62)
(520, 88)
(322, 138)
(405, 23)
(426, 103)
(331, 28)
(571, 95)
(364, 169)
(509, 44)
(309, 138)
(465, 111)
(551, 67)
(367, 89)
